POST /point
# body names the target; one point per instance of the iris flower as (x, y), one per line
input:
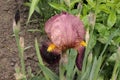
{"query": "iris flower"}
(64, 31)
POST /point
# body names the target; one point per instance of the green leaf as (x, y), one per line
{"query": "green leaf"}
(118, 21)
(48, 73)
(92, 42)
(38, 52)
(27, 4)
(116, 1)
(102, 29)
(109, 40)
(85, 20)
(113, 57)
(85, 9)
(111, 19)
(62, 69)
(85, 75)
(98, 65)
(90, 45)
(116, 66)
(104, 8)
(118, 11)
(71, 63)
(60, 7)
(118, 4)
(67, 2)
(101, 1)
(32, 8)
(93, 69)
(40, 77)
(117, 40)
(96, 68)
(74, 11)
(91, 3)
(72, 3)
(36, 9)
(111, 4)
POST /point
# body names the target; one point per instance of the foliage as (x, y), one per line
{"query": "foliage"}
(41, 7)
(102, 22)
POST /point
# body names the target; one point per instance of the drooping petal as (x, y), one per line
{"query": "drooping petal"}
(80, 56)
(49, 57)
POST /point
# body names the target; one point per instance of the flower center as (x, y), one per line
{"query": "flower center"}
(51, 47)
(83, 43)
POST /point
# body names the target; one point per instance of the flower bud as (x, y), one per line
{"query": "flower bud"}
(87, 36)
(90, 58)
(92, 18)
(16, 22)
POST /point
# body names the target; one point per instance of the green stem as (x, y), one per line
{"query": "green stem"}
(116, 66)
(21, 55)
(87, 52)
(115, 71)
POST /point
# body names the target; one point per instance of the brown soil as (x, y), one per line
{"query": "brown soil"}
(8, 49)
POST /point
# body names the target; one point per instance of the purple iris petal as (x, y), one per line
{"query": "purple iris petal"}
(49, 57)
(80, 56)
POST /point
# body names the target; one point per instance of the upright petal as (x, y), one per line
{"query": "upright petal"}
(64, 30)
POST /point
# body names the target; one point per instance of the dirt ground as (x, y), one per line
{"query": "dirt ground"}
(8, 49)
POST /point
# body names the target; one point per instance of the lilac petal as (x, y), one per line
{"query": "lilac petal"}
(49, 57)
(80, 56)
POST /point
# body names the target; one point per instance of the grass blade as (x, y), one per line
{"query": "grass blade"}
(93, 69)
(32, 8)
(51, 75)
(116, 66)
(38, 52)
(60, 7)
(71, 63)
(61, 71)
